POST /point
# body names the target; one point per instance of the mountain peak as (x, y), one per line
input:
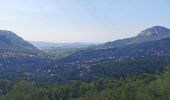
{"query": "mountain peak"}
(155, 31)
(151, 34)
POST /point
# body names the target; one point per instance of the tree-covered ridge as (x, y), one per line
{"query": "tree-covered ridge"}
(154, 48)
(142, 87)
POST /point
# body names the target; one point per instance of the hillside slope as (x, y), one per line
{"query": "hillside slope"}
(18, 57)
(9, 40)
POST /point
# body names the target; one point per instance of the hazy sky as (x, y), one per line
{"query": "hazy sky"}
(81, 20)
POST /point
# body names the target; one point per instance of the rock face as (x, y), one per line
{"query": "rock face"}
(9, 40)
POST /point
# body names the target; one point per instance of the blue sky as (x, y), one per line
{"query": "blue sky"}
(81, 20)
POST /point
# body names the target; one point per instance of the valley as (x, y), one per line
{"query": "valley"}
(84, 50)
(112, 63)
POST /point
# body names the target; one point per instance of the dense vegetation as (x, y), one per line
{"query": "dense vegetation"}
(123, 68)
(142, 87)
(59, 53)
(44, 71)
(110, 69)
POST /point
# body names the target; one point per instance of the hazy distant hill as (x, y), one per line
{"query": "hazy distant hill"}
(61, 50)
(49, 45)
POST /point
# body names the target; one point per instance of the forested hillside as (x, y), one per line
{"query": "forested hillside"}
(86, 64)
(142, 87)
(121, 73)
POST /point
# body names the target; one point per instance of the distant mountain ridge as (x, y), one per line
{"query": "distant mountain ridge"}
(153, 41)
(9, 40)
(150, 34)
